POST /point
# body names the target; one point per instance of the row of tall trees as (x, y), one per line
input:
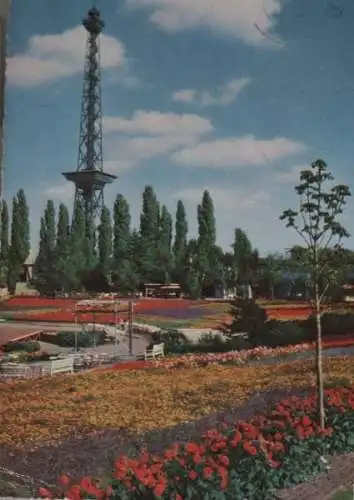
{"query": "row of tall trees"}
(124, 258)
(14, 240)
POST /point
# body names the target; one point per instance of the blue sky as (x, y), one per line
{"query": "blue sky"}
(235, 96)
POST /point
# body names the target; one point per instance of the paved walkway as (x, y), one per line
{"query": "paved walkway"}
(325, 486)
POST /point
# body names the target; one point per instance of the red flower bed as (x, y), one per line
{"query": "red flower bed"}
(332, 342)
(282, 447)
(30, 301)
(289, 313)
(67, 316)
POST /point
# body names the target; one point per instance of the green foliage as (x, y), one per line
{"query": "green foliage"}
(332, 324)
(164, 256)
(180, 242)
(245, 261)
(317, 222)
(178, 343)
(20, 245)
(31, 346)
(271, 270)
(105, 247)
(84, 339)
(44, 276)
(247, 316)
(277, 333)
(125, 248)
(4, 242)
(24, 245)
(64, 264)
(149, 236)
(174, 340)
(206, 238)
(253, 459)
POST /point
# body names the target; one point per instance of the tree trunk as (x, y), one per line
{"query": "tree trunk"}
(319, 370)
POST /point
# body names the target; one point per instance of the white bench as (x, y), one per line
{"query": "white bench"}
(155, 351)
(62, 366)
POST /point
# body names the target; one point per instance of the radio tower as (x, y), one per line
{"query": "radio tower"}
(89, 178)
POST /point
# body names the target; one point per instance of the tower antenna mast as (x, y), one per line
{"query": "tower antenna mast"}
(89, 178)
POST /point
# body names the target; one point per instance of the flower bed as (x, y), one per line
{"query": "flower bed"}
(30, 301)
(67, 316)
(252, 460)
(50, 409)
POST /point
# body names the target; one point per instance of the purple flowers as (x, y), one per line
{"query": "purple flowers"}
(187, 313)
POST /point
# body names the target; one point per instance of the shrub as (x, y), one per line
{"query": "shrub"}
(247, 316)
(30, 358)
(333, 323)
(84, 339)
(175, 341)
(31, 346)
(279, 333)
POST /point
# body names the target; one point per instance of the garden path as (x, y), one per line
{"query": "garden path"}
(325, 486)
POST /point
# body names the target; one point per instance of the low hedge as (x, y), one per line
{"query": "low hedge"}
(332, 323)
(30, 346)
(177, 343)
(84, 339)
(273, 333)
(276, 333)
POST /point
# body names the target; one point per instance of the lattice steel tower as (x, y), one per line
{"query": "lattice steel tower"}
(89, 178)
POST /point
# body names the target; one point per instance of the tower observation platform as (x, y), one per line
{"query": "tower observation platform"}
(89, 178)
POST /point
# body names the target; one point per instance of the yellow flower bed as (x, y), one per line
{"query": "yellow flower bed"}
(50, 409)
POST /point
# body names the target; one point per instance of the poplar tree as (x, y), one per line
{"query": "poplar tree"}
(164, 247)
(206, 237)
(245, 258)
(180, 243)
(121, 230)
(105, 243)
(20, 239)
(14, 263)
(44, 269)
(64, 262)
(24, 247)
(4, 241)
(78, 242)
(149, 234)
(124, 266)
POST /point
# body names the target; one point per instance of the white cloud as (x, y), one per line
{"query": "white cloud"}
(290, 176)
(188, 96)
(117, 167)
(49, 57)
(222, 96)
(225, 199)
(157, 123)
(61, 192)
(247, 20)
(237, 151)
(148, 134)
